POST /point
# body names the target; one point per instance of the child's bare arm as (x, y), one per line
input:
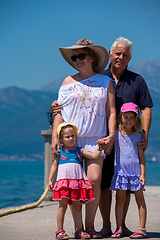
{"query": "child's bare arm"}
(52, 174)
(91, 155)
(142, 166)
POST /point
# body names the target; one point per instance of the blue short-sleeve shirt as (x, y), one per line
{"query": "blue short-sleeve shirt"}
(131, 87)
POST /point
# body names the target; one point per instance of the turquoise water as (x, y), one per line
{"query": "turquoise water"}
(23, 182)
(20, 182)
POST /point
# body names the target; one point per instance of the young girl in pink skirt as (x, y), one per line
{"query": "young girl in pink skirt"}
(72, 186)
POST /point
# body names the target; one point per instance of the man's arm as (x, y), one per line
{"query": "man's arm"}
(56, 108)
(146, 123)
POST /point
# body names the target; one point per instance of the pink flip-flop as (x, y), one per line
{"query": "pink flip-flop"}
(118, 233)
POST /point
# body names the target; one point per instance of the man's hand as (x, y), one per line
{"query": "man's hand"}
(144, 142)
(56, 108)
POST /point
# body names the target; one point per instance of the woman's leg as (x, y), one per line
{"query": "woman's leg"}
(142, 212)
(94, 171)
(61, 213)
(119, 209)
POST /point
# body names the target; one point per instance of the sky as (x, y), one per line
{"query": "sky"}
(32, 30)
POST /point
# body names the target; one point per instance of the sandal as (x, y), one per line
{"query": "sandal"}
(80, 234)
(95, 235)
(116, 235)
(61, 234)
(141, 235)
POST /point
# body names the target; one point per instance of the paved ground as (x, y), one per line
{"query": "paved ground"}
(40, 223)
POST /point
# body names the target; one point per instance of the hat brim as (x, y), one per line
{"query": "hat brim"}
(61, 125)
(101, 53)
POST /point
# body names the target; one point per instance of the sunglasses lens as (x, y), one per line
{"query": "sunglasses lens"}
(74, 58)
(80, 56)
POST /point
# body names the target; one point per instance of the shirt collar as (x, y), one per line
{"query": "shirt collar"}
(111, 76)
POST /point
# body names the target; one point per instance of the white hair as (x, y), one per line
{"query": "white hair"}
(122, 40)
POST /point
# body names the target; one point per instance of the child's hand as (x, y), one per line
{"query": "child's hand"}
(50, 186)
(142, 180)
(101, 143)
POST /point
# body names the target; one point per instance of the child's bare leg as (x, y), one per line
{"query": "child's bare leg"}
(120, 201)
(126, 231)
(77, 214)
(142, 212)
(61, 213)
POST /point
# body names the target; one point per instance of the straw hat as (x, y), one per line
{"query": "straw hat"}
(60, 126)
(101, 53)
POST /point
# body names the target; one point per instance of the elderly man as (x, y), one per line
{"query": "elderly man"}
(129, 87)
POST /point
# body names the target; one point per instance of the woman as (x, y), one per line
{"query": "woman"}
(87, 98)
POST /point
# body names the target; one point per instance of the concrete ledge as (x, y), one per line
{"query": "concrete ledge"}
(41, 222)
(152, 190)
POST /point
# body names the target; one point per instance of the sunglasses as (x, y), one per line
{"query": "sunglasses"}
(80, 56)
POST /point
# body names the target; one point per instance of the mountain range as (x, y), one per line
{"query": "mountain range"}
(24, 114)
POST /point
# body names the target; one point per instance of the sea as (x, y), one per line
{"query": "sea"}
(22, 182)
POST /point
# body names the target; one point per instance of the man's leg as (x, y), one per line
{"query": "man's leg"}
(106, 194)
(105, 208)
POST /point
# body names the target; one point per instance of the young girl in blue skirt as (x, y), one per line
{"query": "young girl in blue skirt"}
(129, 168)
(72, 186)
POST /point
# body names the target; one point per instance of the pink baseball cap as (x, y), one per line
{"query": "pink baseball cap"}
(129, 107)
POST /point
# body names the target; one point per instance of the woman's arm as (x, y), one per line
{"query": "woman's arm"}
(55, 142)
(111, 118)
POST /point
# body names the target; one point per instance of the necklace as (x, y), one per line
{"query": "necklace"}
(128, 142)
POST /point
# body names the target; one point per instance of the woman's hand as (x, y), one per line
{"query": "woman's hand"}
(56, 108)
(106, 143)
(55, 147)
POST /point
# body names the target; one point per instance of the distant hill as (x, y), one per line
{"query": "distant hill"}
(150, 70)
(23, 116)
(52, 86)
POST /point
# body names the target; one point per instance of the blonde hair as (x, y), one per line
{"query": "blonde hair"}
(137, 123)
(62, 130)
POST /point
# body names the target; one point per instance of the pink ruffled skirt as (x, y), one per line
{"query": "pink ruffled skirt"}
(72, 183)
